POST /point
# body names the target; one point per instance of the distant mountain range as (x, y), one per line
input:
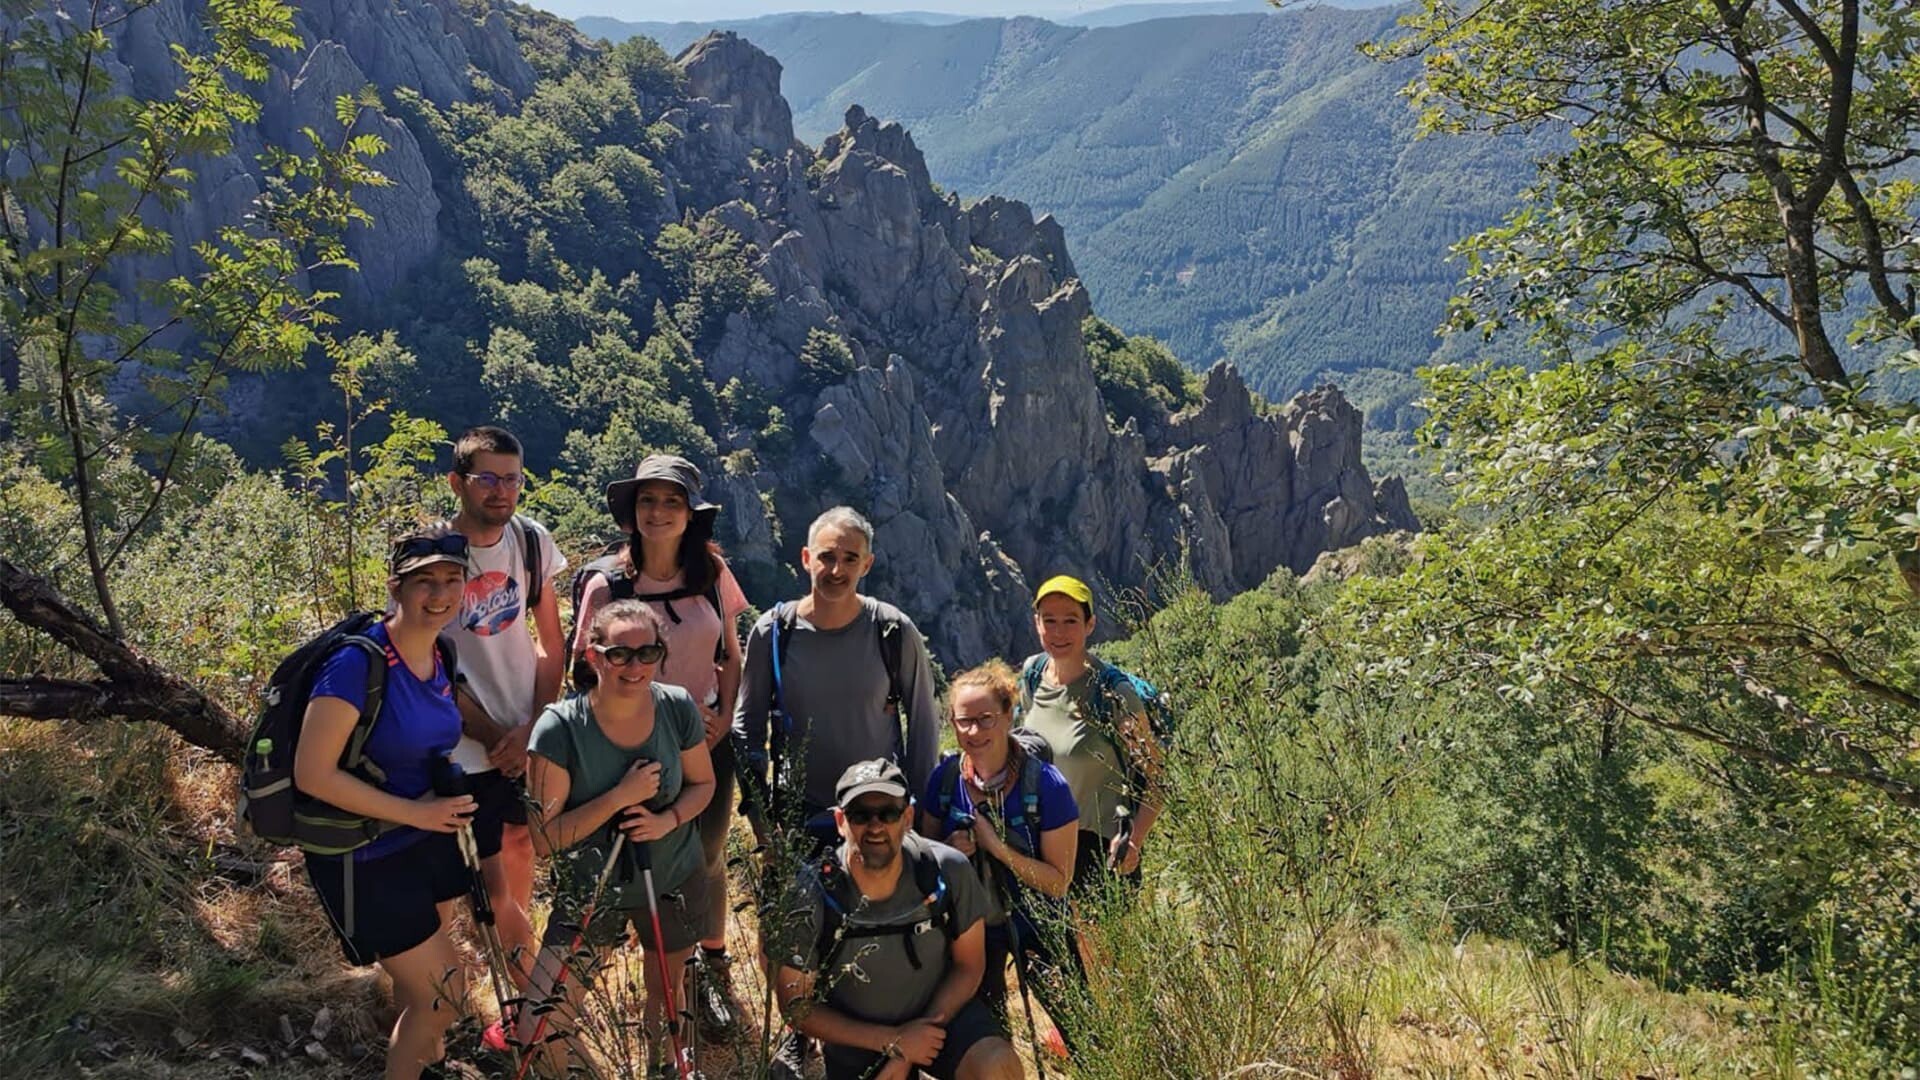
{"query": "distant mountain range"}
(1243, 186)
(1065, 12)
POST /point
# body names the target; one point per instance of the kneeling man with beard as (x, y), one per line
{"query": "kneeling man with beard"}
(882, 949)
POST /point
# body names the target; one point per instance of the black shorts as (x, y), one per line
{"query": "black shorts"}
(970, 1025)
(383, 907)
(1093, 879)
(682, 918)
(501, 802)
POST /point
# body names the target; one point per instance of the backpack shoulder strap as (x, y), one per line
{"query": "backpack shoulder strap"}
(946, 795)
(530, 550)
(353, 756)
(933, 885)
(726, 628)
(1030, 675)
(1106, 697)
(782, 632)
(620, 584)
(833, 910)
(893, 644)
(1030, 769)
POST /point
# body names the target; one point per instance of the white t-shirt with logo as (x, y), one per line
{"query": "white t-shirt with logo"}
(493, 632)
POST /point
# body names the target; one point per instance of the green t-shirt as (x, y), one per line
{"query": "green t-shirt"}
(1083, 746)
(568, 735)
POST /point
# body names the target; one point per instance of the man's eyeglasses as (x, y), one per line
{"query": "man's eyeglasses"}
(983, 722)
(413, 547)
(867, 815)
(621, 655)
(491, 480)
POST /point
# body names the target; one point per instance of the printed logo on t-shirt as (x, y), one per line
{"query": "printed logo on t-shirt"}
(491, 604)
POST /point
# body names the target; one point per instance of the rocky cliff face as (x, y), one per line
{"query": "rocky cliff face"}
(431, 47)
(974, 430)
(970, 428)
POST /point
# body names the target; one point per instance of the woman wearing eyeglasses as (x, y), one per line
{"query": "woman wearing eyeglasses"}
(629, 755)
(390, 900)
(671, 562)
(1005, 807)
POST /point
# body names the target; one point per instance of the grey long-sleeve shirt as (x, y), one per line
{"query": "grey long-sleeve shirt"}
(834, 684)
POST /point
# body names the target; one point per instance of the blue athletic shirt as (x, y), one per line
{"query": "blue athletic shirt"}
(418, 723)
(1057, 807)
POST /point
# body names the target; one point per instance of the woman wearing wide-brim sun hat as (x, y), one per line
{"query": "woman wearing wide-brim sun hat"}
(671, 561)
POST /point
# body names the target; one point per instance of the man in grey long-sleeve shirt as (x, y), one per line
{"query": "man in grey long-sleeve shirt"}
(833, 677)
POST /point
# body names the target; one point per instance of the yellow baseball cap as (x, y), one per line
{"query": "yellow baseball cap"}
(1065, 585)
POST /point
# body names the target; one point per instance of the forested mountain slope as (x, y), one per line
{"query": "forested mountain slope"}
(1245, 187)
(615, 253)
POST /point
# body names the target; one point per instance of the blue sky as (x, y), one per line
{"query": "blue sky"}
(689, 10)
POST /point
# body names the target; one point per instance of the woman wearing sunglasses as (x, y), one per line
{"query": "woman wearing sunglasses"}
(629, 755)
(1005, 807)
(390, 900)
(671, 562)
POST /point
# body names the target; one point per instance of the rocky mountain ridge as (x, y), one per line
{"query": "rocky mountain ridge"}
(970, 425)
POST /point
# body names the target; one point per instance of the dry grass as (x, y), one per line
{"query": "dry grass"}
(128, 949)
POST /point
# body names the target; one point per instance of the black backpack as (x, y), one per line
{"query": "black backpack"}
(270, 804)
(612, 565)
(839, 896)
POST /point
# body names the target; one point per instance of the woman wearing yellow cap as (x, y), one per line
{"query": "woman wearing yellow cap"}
(1089, 712)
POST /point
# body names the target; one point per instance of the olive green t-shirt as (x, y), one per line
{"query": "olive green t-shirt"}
(1083, 746)
(568, 735)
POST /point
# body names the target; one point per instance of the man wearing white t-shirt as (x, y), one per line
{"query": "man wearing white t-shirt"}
(506, 675)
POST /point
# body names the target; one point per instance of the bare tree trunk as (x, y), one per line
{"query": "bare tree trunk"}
(134, 687)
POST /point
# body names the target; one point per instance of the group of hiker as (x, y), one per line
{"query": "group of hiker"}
(437, 751)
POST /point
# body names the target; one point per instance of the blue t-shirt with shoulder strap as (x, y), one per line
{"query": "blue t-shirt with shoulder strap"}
(418, 722)
(1055, 797)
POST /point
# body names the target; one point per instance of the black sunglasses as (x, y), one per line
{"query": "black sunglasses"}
(621, 655)
(414, 547)
(867, 815)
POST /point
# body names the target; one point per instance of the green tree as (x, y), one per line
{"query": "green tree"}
(1721, 154)
(1700, 520)
(1140, 378)
(1694, 533)
(109, 404)
(96, 165)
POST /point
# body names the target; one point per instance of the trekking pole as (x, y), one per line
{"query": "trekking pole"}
(1008, 885)
(682, 1056)
(449, 779)
(579, 935)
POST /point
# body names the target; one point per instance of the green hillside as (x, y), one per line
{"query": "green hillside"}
(1245, 187)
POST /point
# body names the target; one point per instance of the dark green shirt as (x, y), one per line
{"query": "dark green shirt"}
(568, 735)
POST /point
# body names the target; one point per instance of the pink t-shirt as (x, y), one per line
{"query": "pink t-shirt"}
(691, 641)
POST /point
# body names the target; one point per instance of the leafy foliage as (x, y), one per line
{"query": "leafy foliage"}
(74, 217)
(1140, 379)
(1674, 529)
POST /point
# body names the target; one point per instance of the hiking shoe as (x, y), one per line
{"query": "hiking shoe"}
(789, 1061)
(715, 1008)
(1054, 1043)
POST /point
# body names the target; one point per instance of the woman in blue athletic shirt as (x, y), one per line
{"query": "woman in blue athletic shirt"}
(1013, 815)
(389, 901)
